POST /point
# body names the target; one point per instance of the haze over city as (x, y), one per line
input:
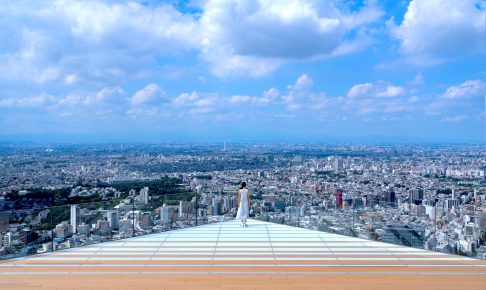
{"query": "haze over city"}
(164, 71)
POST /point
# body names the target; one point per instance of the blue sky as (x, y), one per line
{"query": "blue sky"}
(243, 70)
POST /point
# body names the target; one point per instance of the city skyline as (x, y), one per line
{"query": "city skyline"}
(297, 71)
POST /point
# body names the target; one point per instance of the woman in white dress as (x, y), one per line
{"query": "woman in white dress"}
(243, 204)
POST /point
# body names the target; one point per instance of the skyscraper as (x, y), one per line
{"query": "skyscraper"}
(415, 196)
(165, 214)
(338, 164)
(75, 218)
(113, 219)
(4, 222)
(144, 195)
(7, 240)
(339, 198)
(390, 197)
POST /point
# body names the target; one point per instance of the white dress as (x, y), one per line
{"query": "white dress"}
(242, 213)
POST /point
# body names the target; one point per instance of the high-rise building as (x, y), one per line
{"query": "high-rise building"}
(339, 198)
(146, 220)
(126, 226)
(63, 230)
(390, 197)
(103, 228)
(28, 236)
(7, 240)
(415, 196)
(165, 214)
(185, 208)
(404, 235)
(4, 222)
(83, 229)
(2, 203)
(482, 221)
(298, 160)
(452, 203)
(75, 218)
(144, 195)
(338, 164)
(113, 219)
(217, 207)
(430, 210)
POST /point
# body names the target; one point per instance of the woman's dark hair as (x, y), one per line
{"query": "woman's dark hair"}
(243, 185)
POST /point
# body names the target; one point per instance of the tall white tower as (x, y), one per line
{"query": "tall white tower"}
(75, 218)
(144, 195)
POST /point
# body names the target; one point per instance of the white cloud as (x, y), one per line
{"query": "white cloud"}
(441, 26)
(27, 102)
(378, 98)
(237, 99)
(299, 95)
(185, 99)
(418, 79)
(453, 119)
(468, 89)
(71, 79)
(44, 41)
(302, 83)
(268, 97)
(106, 95)
(196, 103)
(375, 90)
(251, 37)
(360, 90)
(390, 91)
(149, 94)
(145, 113)
(106, 42)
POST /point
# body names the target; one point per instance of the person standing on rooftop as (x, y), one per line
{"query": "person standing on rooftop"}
(243, 204)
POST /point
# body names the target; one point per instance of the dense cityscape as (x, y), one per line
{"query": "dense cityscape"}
(424, 196)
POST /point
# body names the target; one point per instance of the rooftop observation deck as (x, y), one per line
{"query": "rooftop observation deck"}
(226, 256)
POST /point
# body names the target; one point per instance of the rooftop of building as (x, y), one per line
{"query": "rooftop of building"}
(225, 256)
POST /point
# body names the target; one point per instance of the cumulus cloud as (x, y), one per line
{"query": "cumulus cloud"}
(196, 103)
(378, 97)
(149, 94)
(42, 41)
(267, 97)
(27, 102)
(442, 26)
(390, 91)
(375, 90)
(104, 41)
(360, 90)
(300, 96)
(253, 37)
(106, 95)
(468, 89)
(185, 99)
